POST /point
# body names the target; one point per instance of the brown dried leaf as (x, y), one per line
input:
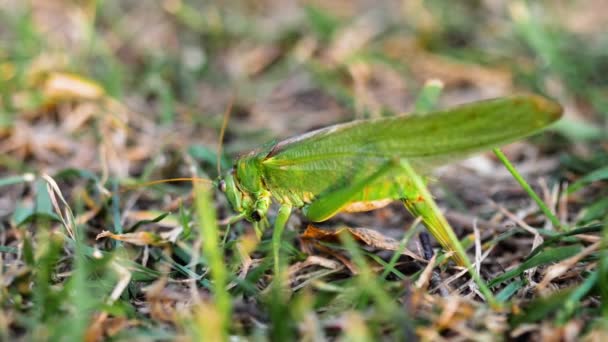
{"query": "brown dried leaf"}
(42, 141)
(60, 86)
(312, 260)
(105, 326)
(250, 61)
(425, 278)
(137, 238)
(164, 302)
(557, 270)
(454, 311)
(369, 237)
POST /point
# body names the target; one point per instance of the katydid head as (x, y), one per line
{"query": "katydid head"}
(242, 199)
(253, 205)
(228, 186)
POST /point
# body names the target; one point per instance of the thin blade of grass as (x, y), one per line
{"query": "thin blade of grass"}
(518, 177)
(10, 180)
(209, 233)
(390, 266)
(429, 96)
(549, 255)
(576, 296)
(603, 273)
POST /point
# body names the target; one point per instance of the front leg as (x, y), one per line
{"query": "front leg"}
(279, 226)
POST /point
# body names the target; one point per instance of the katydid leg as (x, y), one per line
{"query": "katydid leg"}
(279, 226)
(420, 203)
(416, 198)
(423, 205)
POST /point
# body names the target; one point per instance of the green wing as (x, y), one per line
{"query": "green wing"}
(321, 161)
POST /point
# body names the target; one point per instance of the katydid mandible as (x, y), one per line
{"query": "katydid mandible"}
(366, 164)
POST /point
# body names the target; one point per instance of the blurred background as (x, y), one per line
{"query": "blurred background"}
(116, 82)
(123, 91)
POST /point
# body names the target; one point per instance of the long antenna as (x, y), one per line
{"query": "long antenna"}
(221, 138)
(168, 180)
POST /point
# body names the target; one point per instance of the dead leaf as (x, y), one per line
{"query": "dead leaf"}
(104, 326)
(562, 267)
(60, 86)
(312, 260)
(137, 238)
(454, 311)
(161, 301)
(252, 60)
(366, 236)
(425, 278)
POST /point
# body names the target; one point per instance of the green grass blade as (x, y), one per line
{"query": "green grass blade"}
(594, 176)
(603, 273)
(369, 286)
(509, 290)
(547, 256)
(390, 266)
(429, 96)
(548, 213)
(576, 296)
(209, 233)
(10, 180)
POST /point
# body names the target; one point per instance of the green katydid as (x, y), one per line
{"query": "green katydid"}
(366, 164)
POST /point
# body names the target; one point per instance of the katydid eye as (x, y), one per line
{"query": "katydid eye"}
(222, 186)
(256, 216)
